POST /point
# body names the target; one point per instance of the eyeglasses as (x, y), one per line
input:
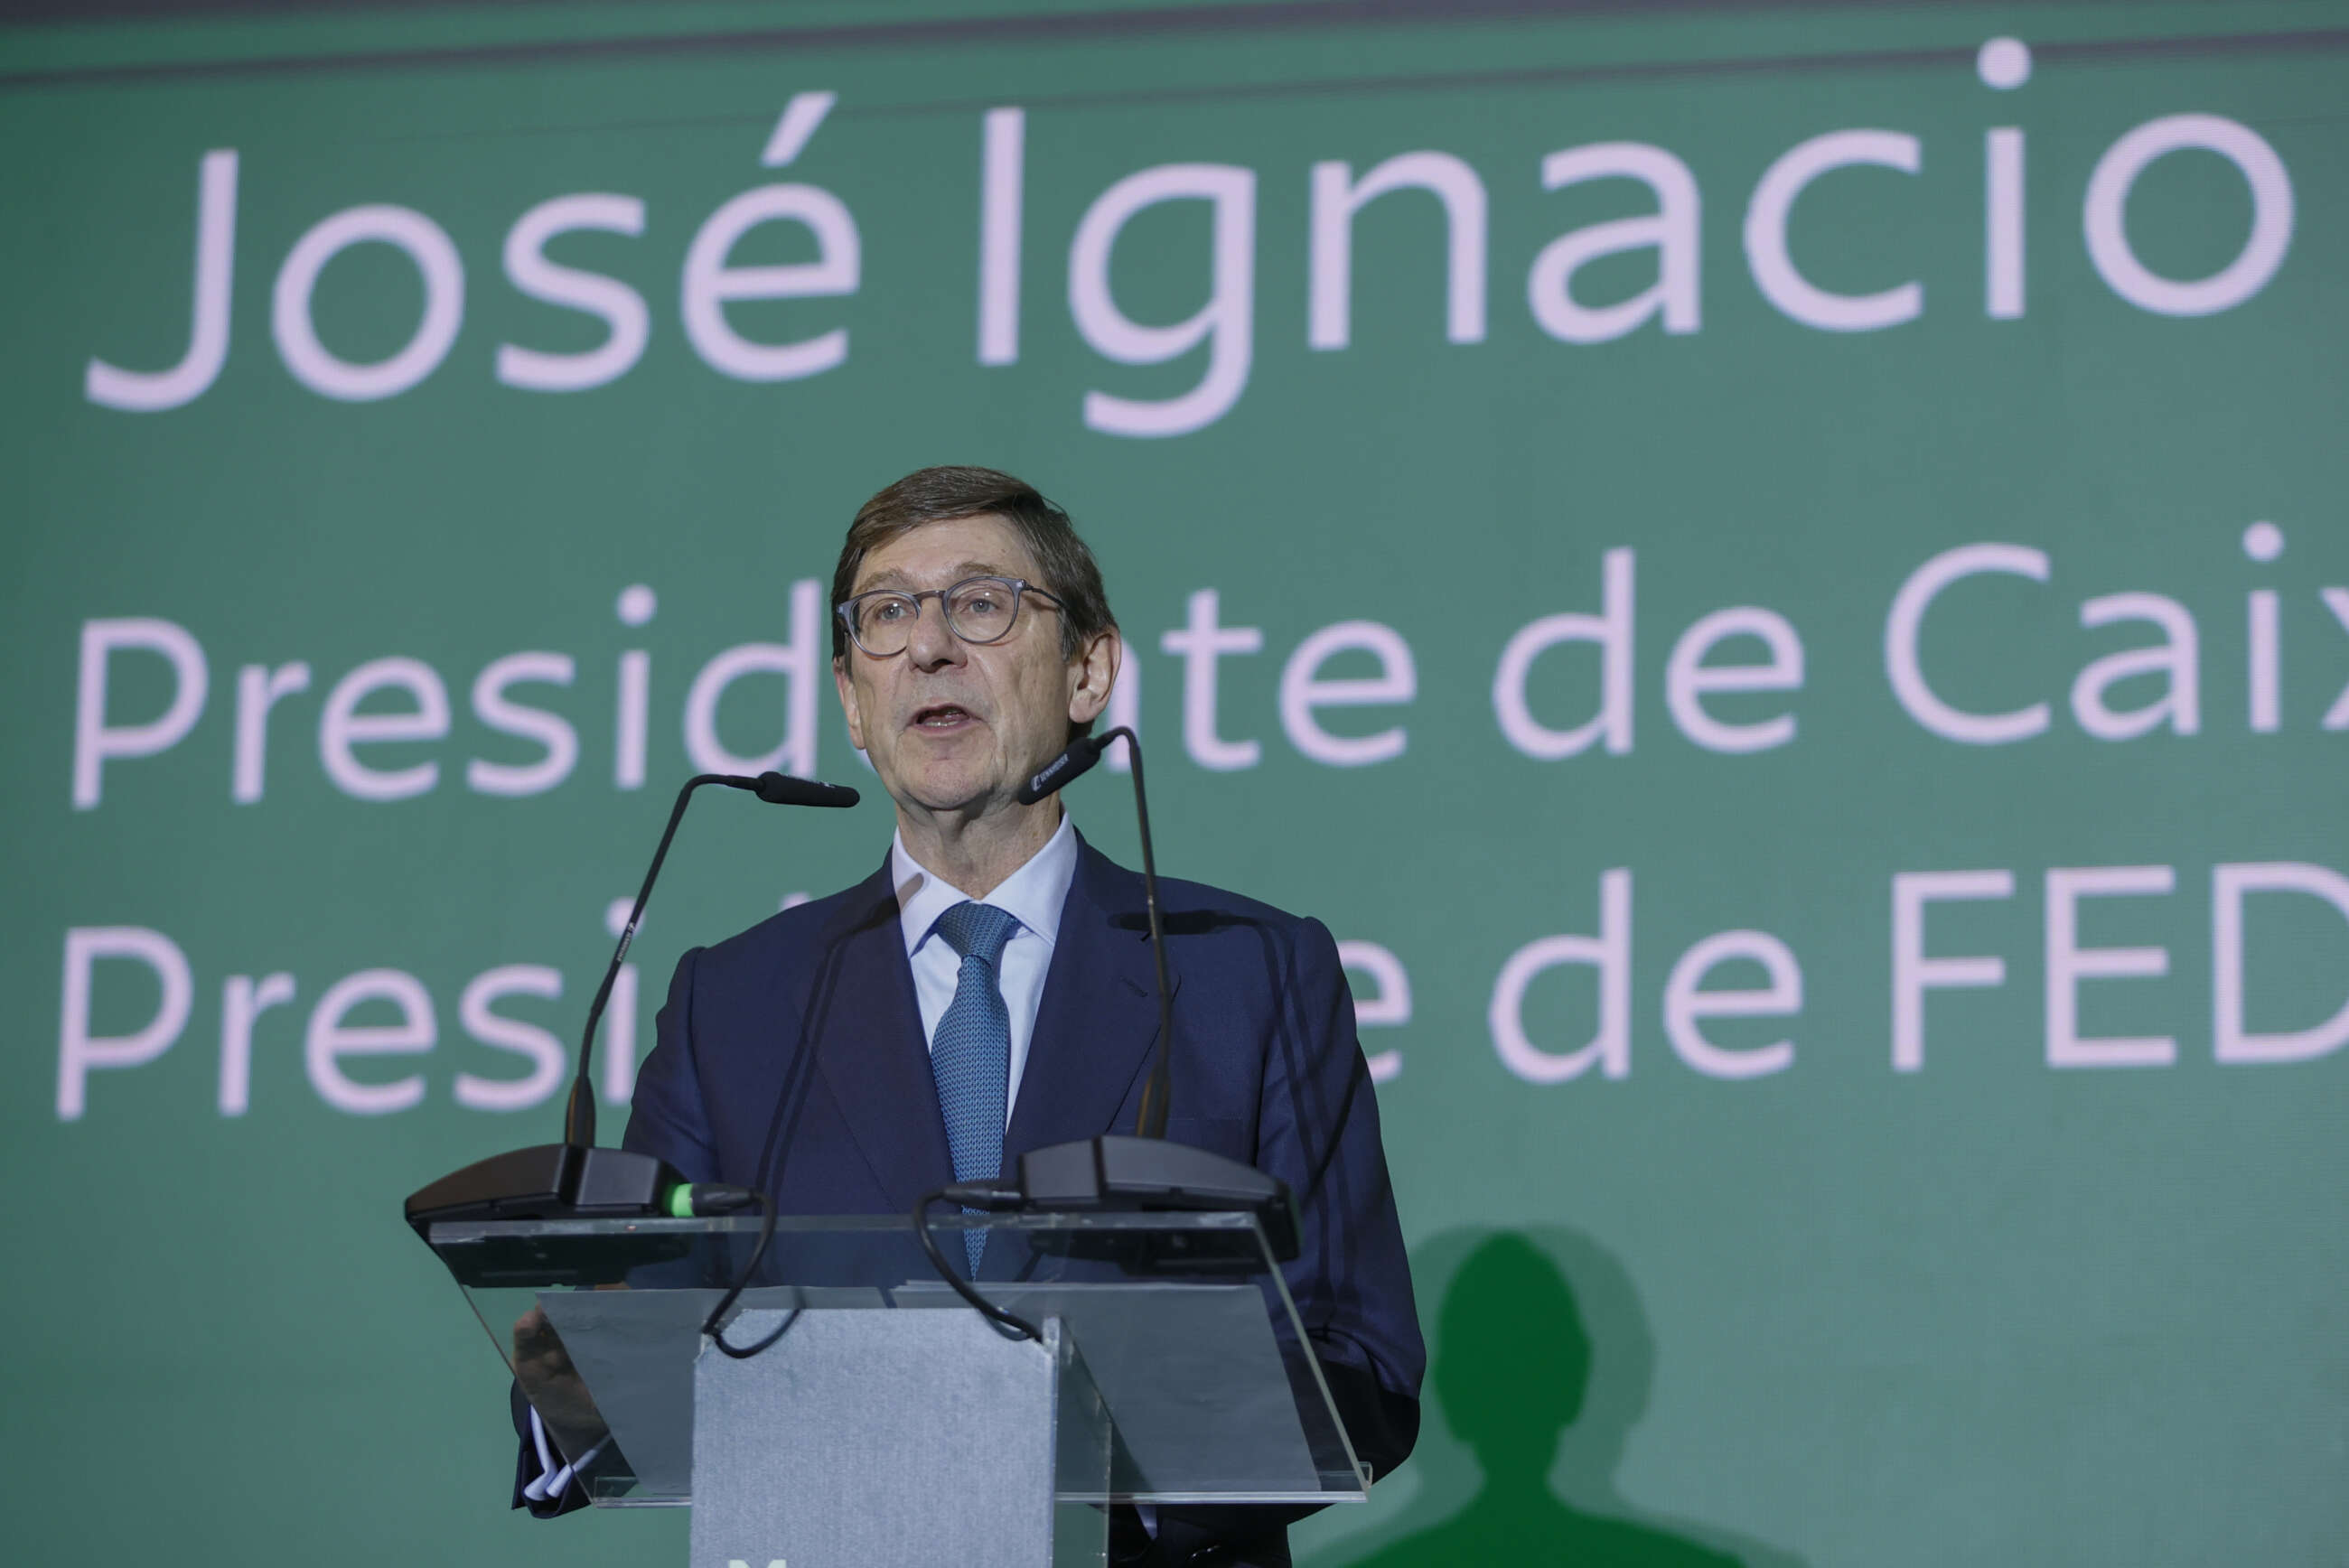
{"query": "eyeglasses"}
(979, 610)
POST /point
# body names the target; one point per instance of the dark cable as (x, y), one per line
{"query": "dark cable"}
(1020, 1328)
(711, 1325)
(813, 1016)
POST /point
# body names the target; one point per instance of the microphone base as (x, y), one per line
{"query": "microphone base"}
(1117, 1174)
(550, 1181)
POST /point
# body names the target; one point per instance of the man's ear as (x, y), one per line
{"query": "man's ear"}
(847, 689)
(1092, 675)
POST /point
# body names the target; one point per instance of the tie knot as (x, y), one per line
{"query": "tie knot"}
(978, 930)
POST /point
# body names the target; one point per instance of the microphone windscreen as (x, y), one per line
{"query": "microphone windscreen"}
(783, 789)
(1071, 764)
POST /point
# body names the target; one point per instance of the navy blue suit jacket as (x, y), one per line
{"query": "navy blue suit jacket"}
(792, 1057)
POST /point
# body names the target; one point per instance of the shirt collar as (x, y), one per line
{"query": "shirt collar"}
(1033, 895)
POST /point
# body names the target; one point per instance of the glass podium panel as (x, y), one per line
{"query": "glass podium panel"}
(1181, 1322)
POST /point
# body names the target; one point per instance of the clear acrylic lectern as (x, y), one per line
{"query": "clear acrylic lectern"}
(889, 1422)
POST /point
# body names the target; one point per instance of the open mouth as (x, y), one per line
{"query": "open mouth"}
(943, 715)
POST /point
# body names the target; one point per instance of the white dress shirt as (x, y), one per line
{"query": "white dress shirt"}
(1033, 895)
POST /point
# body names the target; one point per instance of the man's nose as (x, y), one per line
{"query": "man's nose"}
(933, 646)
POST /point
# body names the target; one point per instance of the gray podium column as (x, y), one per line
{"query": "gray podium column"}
(880, 1439)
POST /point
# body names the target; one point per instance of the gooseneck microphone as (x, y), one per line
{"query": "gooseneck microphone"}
(776, 789)
(1074, 763)
(1112, 1172)
(574, 1177)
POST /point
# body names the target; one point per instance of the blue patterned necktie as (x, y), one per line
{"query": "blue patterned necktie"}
(971, 1054)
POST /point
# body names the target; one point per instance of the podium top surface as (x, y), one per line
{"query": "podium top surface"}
(465, 1231)
(1182, 1321)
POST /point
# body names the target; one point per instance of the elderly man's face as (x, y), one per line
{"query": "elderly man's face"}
(953, 725)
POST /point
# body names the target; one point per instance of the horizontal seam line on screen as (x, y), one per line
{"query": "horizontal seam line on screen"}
(1290, 16)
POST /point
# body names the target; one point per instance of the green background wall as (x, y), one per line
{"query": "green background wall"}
(1996, 1309)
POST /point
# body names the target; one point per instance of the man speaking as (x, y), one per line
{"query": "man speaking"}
(991, 989)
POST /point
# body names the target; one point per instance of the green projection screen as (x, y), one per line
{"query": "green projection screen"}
(1777, 575)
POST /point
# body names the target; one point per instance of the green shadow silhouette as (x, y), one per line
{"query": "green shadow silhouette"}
(1543, 1362)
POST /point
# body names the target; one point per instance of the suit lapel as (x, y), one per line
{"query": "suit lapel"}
(871, 1053)
(1098, 1019)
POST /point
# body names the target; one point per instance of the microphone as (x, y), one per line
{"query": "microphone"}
(783, 789)
(574, 1177)
(776, 789)
(1074, 763)
(1071, 765)
(1144, 1171)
